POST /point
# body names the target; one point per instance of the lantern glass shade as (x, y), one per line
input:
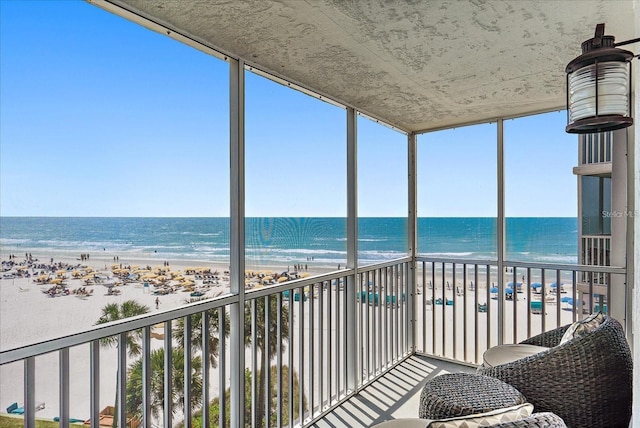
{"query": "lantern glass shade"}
(612, 82)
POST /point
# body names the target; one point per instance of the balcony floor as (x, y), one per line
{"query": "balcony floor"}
(395, 395)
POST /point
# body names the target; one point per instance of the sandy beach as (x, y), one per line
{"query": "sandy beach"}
(29, 315)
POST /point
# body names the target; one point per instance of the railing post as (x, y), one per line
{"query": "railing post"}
(146, 376)
(30, 392)
(352, 249)
(168, 376)
(95, 382)
(222, 358)
(205, 366)
(237, 232)
(64, 387)
(188, 330)
(121, 399)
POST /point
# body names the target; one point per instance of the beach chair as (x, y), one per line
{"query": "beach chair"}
(535, 306)
(14, 409)
(296, 296)
(597, 309)
(374, 299)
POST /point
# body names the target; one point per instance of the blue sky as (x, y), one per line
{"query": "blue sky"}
(101, 117)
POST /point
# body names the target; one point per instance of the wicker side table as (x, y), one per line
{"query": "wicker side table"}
(462, 394)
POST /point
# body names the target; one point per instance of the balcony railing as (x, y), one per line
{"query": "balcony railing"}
(320, 340)
(463, 307)
(595, 148)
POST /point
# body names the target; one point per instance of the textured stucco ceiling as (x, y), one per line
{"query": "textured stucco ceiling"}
(417, 65)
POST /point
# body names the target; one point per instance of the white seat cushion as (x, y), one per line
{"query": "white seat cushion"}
(494, 417)
(503, 354)
(582, 327)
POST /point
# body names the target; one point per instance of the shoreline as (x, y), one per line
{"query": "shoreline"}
(23, 298)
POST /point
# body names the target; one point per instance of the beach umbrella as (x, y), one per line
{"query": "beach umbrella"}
(508, 291)
(536, 285)
(494, 289)
(567, 299)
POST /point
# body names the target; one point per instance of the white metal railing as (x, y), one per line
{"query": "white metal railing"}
(595, 148)
(139, 327)
(302, 340)
(458, 303)
(595, 251)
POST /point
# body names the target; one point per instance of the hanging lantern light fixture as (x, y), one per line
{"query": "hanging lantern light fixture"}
(599, 86)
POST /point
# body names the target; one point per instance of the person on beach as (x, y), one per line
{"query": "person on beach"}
(157, 303)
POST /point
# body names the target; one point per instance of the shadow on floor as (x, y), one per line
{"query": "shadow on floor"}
(395, 395)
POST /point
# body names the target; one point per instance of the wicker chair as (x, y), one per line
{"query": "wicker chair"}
(586, 381)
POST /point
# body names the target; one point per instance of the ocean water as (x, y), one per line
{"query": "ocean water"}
(283, 241)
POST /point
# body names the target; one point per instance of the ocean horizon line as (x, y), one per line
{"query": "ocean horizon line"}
(250, 217)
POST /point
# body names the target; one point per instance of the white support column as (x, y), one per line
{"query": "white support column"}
(237, 214)
(412, 231)
(618, 252)
(352, 245)
(500, 231)
(633, 233)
